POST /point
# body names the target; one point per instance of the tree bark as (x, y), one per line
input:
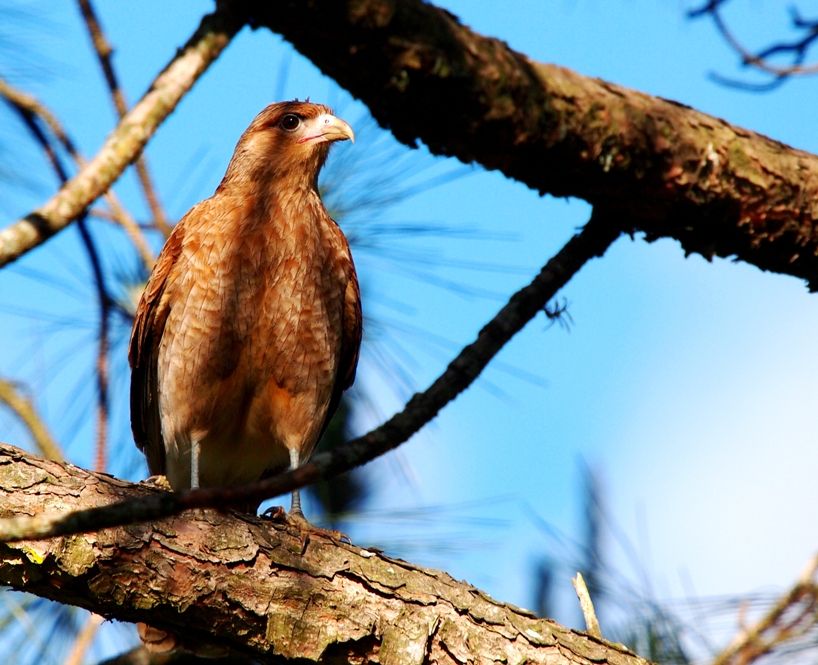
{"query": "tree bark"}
(664, 168)
(262, 587)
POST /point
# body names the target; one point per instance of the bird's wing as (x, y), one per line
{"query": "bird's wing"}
(149, 324)
(351, 331)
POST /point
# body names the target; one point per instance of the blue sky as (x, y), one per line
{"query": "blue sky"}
(688, 386)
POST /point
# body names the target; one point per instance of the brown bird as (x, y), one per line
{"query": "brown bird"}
(248, 329)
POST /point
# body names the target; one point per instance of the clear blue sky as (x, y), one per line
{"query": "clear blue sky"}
(688, 386)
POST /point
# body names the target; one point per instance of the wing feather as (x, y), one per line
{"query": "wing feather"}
(146, 336)
(351, 333)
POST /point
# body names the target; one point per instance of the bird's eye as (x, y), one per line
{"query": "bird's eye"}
(290, 122)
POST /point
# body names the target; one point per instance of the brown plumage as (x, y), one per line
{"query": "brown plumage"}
(249, 326)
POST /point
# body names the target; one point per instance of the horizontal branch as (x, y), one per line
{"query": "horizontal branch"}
(265, 588)
(589, 243)
(670, 170)
(125, 144)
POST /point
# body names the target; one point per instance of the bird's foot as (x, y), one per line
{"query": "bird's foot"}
(297, 519)
(303, 524)
(159, 481)
(275, 514)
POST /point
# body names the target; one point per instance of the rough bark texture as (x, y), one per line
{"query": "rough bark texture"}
(265, 588)
(667, 169)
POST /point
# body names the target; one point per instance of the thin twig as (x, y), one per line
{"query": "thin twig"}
(104, 303)
(23, 102)
(103, 299)
(587, 605)
(83, 640)
(24, 409)
(103, 50)
(797, 49)
(127, 140)
(750, 643)
(589, 243)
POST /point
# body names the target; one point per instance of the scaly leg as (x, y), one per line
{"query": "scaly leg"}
(295, 506)
(194, 464)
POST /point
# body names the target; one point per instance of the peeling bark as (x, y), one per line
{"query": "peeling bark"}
(265, 588)
(666, 169)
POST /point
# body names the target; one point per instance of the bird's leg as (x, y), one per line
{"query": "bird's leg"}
(194, 464)
(295, 506)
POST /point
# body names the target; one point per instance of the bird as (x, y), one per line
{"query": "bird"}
(249, 327)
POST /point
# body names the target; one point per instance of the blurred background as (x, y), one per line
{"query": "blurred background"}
(660, 436)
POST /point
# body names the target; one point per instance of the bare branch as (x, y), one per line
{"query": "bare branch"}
(790, 617)
(29, 105)
(103, 299)
(587, 605)
(670, 170)
(127, 140)
(11, 396)
(589, 243)
(797, 49)
(83, 640)
(103, 50)
(265, 588)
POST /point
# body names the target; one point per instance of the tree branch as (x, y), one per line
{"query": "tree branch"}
(668, 169)
(127, 140)
(792, 616)
(103, 50)
(265, 588)
(591, 242)
(103, 299)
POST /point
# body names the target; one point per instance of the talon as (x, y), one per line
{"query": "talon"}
(159, 481)
(275, 514)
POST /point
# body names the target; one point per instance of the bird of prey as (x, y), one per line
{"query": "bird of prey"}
(249, 326)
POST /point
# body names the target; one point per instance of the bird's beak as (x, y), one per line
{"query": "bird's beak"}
(327, 128)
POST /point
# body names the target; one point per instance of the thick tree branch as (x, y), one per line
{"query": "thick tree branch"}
(265, 588)
(127, 140)
(671, 171)
(591, 242)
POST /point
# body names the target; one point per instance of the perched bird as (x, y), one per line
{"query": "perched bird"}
(248, 329)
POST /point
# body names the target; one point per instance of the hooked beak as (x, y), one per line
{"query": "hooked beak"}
(327, 128)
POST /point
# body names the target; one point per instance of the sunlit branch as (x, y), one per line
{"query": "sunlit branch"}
(562, 133)
(790, 617)
(127, 141)
(589, 243)
(84, 639)
(103, 51)
(24, 409)
(26, 103)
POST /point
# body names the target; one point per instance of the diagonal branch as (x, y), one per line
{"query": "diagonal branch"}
(103, 299)
(670, 170)
(128, 139)
(793, 615)
(589, 243)
(29, 106)
(103, 50)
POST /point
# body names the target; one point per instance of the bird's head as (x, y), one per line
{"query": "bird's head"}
(287, 139)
